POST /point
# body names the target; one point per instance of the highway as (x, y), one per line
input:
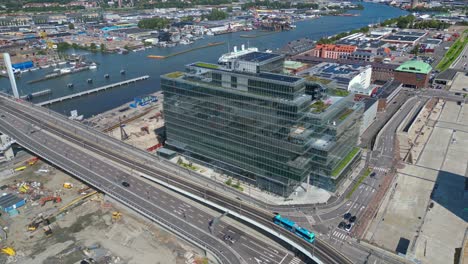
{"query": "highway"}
(179, 215)
(113, 150)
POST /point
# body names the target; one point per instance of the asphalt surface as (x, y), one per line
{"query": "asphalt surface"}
(118, 151)
(181, 216)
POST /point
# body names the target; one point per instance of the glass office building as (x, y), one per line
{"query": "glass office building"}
(268, 129)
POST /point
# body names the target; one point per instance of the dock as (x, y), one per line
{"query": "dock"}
(57, 75)
(162, 57)
(95, 90)
(36, 94)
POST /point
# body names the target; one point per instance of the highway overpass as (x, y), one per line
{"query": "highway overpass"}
(95, 158)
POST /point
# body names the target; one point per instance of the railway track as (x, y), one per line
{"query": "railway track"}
(322, 250)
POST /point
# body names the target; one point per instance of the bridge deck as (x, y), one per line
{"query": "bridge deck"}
(105, 87)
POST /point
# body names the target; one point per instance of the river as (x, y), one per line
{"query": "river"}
(137, 64)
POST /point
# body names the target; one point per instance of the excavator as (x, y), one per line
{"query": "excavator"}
(56, 199)
(8, 251)
(116, 216)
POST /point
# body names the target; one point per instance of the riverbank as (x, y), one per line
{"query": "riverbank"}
(137, 63)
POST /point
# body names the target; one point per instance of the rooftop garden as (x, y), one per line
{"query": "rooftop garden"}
(318, 79)
(345, 114)
(338, 92)
(175, 75)
(206, 65)
(346, 160)
(319, 106)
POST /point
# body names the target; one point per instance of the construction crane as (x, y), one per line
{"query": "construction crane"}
(123, 134)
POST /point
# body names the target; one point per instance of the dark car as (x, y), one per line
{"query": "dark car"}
(372, 174)
(347, 216)
(352, 219)
(125, 184)
(348, 227)
(342, 225)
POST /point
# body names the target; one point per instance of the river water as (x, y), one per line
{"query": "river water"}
(137, 64)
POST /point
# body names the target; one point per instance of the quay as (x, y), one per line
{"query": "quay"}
(36, 94)
(63, 98)
(258, 35)
(162, 57)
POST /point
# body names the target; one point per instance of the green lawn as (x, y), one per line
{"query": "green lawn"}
(345, 161)
(345, 114)
(360, 180)
(453, 53)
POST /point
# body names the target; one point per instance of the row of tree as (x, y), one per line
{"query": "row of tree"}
(63, 46)
(154, 23)
(279, 5)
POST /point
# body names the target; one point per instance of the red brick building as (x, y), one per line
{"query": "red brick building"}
(331, 51)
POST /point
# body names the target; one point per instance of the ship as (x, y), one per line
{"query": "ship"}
(226, 58)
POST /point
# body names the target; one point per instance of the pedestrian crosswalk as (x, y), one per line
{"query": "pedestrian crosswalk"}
(379, 169)
(295, 261)
(339, 235)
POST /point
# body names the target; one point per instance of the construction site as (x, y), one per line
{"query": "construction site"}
(48, 216)
(138, 123)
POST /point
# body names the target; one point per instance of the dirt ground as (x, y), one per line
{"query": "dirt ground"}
(83, 230)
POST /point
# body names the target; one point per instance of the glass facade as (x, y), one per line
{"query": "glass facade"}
(258, 126)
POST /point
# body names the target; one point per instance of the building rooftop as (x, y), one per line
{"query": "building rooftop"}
(258, 56)
(415, 66)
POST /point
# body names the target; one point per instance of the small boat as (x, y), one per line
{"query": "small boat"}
(90, 80)
(122, 72)
(65, 70)
(70, 85)
(107, 76)
(93, 66)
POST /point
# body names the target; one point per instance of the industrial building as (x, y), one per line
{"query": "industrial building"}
(414, 74)
(268, 129)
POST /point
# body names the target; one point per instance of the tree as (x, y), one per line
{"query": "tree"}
(153, 23)
(216, 14)
(103, 47)
(62, 46)
(92, 46)
(71, 26)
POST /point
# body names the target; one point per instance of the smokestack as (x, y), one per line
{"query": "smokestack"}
(11, 75)
(243, 47)
(235, 48)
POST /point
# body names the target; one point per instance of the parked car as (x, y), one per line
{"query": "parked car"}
(125, 184)
(352, 219)
(348, 227)
(341, 225)
(347, 216)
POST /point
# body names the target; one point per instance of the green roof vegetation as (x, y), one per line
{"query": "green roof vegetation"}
(339, 92)
(415, 66)
(206, 65)
(318, 106)
(317, 79)
(345, 114)
(346, 160)
(453, 53)
(359, 181)
(174, 75)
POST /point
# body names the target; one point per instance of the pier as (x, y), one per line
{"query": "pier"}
(36, 94)
(95, 90)
(162, 57)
